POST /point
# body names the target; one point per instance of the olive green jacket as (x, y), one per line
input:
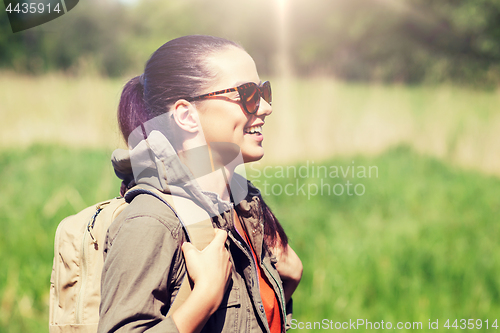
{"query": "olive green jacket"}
(144, 266)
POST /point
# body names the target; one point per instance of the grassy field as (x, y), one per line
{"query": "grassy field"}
(40, 186)
(420, 243)
(416, 240)
(312, 119)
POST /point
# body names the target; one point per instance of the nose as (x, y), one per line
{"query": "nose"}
(265, 109)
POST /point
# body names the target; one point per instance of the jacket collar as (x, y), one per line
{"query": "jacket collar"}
(151, 160)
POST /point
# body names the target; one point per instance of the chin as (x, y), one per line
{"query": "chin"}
(247, 158)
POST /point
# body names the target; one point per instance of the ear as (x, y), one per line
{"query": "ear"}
(185, 116)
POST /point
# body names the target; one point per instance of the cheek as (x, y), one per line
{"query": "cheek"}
(209, 124)
(221, 129)
(223, 124)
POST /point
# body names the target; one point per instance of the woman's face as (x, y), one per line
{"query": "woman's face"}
(223, 119)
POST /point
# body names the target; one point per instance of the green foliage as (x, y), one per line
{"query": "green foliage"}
(407, 41)
(19, 51)
(420, 243)
(402, 41)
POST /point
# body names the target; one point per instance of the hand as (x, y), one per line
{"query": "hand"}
(289, 268)
(210, 269)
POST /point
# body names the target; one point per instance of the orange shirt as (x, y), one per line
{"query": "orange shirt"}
(268, 295)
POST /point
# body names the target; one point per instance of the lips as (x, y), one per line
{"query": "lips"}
(254, 129)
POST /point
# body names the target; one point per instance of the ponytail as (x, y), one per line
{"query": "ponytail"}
(132, 109)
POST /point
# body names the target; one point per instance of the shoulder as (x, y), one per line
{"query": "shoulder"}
(143, 266)
(142, 228)
(146, 213)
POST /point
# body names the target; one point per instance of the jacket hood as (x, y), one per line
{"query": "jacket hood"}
(152, 161)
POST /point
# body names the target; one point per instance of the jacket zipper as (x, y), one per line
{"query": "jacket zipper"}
(254, 264)
(255, 274)
(282, 294)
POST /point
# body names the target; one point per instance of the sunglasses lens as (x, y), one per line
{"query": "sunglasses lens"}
(250, 97)
(251, 93)
(266, 92)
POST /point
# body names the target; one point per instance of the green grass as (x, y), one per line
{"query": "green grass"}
(421, 243)
(40, 186)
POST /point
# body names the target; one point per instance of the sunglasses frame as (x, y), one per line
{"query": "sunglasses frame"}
(241, 89)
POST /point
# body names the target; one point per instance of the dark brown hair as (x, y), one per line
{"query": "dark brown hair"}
(176, 70)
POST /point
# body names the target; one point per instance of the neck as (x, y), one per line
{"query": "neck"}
(217, 182)
(209, 170)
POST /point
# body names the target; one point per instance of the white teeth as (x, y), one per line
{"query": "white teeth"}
(254, 129)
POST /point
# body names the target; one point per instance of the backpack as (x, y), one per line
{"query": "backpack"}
(75, 283)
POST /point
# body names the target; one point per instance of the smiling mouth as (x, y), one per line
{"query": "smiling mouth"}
(254, 130)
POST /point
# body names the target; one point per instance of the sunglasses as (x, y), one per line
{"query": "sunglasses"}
(250, 95)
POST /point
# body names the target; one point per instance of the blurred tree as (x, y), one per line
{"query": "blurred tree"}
(91, 36)
(403, 41)
(19, 51)
(408, 41)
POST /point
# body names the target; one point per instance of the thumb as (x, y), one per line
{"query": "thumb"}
(220, 236)
(188, 248)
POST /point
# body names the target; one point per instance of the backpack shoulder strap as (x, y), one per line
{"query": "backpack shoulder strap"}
(135, 191)
(195, 221)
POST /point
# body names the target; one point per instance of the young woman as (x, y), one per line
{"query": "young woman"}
(195, 113)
